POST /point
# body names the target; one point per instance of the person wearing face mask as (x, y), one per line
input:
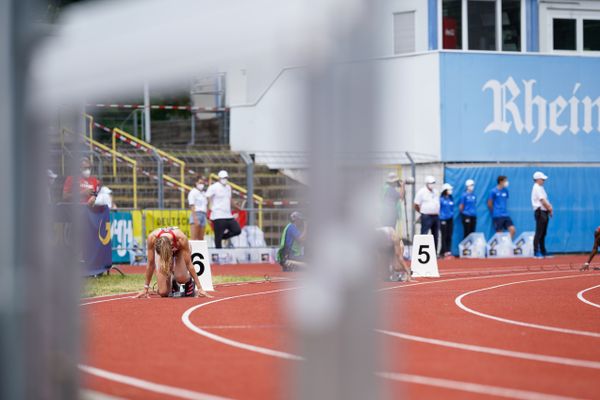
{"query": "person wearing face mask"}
(198, 203)
(51, 179)
(219, 194)
(498, 205)
(446, 217)
(468, 208)
(88, 185)
(427, 202)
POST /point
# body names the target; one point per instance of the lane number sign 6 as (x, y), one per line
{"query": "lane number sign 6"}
(197, 259)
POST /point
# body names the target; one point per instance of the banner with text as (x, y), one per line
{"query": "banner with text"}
(505, 107)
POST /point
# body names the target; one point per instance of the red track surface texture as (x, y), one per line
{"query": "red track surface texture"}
(518, 329)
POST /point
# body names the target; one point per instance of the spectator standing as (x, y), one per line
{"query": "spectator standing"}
(468, 208)
(88, 185)
(393, 192)
(219, 194)
(51, 179)
(498, 205)
(446, 219)
(542, 210)
(199, 206)
(427, 202)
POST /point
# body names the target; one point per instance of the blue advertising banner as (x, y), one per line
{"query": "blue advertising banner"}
(122, 235)
(502, 107)
(95, 254)
(572, 191)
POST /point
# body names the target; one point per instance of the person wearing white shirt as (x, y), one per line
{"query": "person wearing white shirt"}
(542, 212)
(198, 204)
(219, 194)
(427, 202)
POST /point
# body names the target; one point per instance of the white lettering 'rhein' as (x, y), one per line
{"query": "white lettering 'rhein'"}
(535, 113)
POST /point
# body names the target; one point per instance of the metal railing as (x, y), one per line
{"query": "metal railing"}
(173, 160)
(138, 143)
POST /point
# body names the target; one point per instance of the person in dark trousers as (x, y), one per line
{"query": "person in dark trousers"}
(498, 205)
(468, 208)
(427, 202)
(542, 213)
(446, 217)
(586, 266)
(219, 194)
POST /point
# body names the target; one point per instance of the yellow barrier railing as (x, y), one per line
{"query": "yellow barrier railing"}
(115, 154)
(161, 153)
(258, 199)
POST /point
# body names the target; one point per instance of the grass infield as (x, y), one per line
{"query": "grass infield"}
(114, 283)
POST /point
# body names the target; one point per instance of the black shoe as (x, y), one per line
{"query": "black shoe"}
(189, 288)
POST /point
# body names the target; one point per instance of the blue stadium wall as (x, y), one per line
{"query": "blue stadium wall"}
(573, 191)
(525, 109)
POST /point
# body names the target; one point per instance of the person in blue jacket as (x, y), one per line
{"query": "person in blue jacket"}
(498, 205)
(468, 208)
(446, 216)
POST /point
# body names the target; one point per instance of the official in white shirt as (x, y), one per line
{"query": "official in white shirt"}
(219, 194)
(542, 212)
(427, 202)
(198, 204)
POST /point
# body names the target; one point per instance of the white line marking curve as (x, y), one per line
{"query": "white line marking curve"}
(149, 386)
(470, 387)
(580, 296)
(571, 362)
(185, 318)
(459, 302)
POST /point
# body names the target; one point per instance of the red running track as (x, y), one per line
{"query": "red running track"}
(519, 332)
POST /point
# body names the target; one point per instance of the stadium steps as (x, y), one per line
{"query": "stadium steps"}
(270, 184)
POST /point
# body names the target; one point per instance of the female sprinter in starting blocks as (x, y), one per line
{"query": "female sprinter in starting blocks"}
(174, 265)
(391, 253)
(586, 266)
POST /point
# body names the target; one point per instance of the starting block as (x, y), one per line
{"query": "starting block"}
(424, 258)
(500, 246)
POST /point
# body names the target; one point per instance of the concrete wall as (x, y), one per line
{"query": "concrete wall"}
(408, 116)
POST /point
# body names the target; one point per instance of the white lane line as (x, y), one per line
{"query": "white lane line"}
(470, 387)
(104, 301)
(241, 326)
(430, 282)
(149, 386)
(257, 349)
(580, 296)
(496, 351)
(459, 302)
(108, 295)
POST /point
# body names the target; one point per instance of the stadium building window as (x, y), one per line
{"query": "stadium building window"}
(404, 32)
(452, 24)
(511, 25)
(591, 35)
(564, 34)
(482, 25)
